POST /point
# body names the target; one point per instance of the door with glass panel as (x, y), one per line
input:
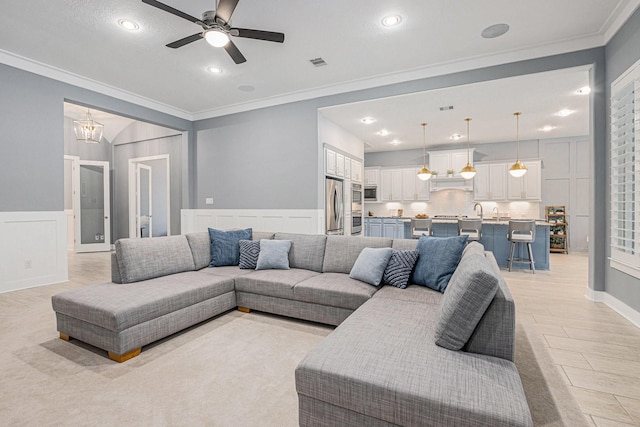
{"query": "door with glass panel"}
(144, 209)
(92, 208)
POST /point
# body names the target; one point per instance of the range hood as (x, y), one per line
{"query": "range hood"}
(451, 183)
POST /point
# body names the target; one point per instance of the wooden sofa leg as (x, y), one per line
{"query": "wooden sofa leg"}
(126, 356)
(244, 309)
(64, 337)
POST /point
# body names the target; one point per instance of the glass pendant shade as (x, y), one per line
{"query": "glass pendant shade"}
(424, 174)
(88, 130)
(518, 169)
(216, 37)
(468, 171)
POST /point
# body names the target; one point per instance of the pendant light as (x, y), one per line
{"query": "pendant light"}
(424, 174)
(518, 169)
(468, 171)
(88, 130)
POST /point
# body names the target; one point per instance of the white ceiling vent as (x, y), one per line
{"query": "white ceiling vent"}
(318, 62)
(446, 108)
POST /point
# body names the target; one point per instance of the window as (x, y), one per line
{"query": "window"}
(625, 172)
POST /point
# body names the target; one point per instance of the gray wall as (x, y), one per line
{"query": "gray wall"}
(32, 144)
(621, 53)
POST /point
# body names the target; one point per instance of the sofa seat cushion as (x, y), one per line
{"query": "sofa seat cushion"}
(273, 283)
(382, 362)
(225, 271)
(334, 289)
(415, 293)
(118, 307)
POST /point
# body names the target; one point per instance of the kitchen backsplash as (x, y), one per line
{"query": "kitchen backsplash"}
(454, 202)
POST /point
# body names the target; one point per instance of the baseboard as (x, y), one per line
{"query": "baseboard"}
(615, 304)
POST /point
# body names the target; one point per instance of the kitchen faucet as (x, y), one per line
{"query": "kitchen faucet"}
(474, 209)
(497, 211)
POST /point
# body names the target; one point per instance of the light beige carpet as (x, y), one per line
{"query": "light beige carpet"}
(237, 369)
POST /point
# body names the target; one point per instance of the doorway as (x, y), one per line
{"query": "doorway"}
(91, 206)
(150, 196)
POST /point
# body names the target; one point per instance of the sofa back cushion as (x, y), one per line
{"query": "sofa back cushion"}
(469, 293)
(342, 252)
(307, 250)
(200, 244)
(142, 259)
(404, 244)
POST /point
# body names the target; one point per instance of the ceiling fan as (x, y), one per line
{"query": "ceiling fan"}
(217, 28)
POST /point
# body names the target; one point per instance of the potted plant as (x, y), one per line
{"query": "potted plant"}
(450, 172)
(434, 173)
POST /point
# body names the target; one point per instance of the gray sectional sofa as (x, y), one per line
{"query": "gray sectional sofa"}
(380, 366)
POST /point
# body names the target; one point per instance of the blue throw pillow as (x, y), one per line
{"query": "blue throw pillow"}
(438, 259)
(249, 251)
(370, 265)
(225, 246)
(399, 269)
(274, 255)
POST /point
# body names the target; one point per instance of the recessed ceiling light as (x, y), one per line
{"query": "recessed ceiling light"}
(391, 20)
(493, 31)
(128, 25)
(395, 142)
(383, 132)
(214, 70)
(547, 128)
(455, 137)
(584, 90)
(368, 120)
(564, 113)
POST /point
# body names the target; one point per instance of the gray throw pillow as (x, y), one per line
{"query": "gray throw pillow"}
(249, 251)
(470, 291)
(370, 265)
(274, 255)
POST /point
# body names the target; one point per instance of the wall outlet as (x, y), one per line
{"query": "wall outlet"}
(27, 264)
(208, 201)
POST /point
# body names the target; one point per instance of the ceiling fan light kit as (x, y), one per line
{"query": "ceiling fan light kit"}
(217, 30)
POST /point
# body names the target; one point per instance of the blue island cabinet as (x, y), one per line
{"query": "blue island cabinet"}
(444, 229)
(494, 239)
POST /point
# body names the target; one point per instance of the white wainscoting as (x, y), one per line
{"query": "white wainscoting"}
(33, 249)
(305, 221)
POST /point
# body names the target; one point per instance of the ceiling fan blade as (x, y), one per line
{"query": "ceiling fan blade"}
(269, 36)
(234, 53)
(190, 39)
(225, 9)
(173, 11)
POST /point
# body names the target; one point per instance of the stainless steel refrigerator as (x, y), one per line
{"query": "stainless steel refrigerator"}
(334, 207)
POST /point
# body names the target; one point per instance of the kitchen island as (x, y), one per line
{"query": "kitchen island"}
(494, 236)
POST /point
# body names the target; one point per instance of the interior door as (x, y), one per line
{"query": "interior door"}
(144, 202)
(92, 207)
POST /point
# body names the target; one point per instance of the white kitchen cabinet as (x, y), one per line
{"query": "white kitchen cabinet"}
(340, 165)
(356, 171)
(413, 188)
(390, 185)
(528, 186)
(442, 161)
(490, 181)
(371, 176)
(329, 162)
(347, 168)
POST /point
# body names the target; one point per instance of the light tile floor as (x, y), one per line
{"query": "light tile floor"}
(597, 350)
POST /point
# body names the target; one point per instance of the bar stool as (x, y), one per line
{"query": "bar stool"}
(471, 227)
(420, 227)
(522, 231)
